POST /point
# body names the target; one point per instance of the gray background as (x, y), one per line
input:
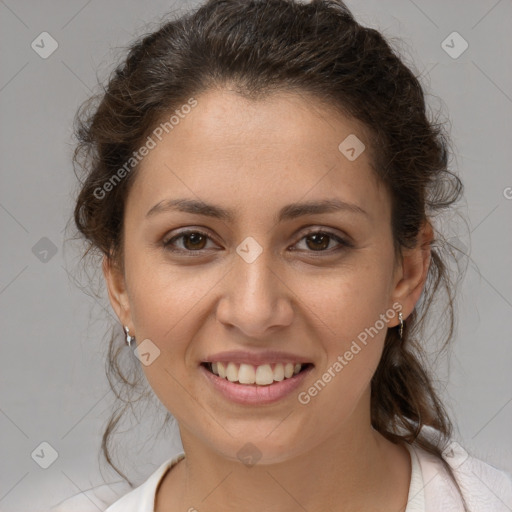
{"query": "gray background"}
(53, 387)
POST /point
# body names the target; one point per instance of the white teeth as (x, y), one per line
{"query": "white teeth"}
(232, 372)
(279, 372)
(264, 375)
(261, 375)
(288, 370)
(246, 374)
(221, 370)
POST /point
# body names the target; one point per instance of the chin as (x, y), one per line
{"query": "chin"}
(257, 446)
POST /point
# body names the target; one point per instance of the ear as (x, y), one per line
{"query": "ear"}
(117, 293)
(412, 272)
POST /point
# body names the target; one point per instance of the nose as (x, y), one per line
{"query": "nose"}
(255, 298)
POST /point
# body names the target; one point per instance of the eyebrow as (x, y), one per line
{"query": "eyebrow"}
(288, 212)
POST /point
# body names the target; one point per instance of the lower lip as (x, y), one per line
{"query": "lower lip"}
(254, 394)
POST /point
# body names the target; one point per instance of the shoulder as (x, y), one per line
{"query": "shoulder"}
(139, 499)
(90, 500)
(484, 487)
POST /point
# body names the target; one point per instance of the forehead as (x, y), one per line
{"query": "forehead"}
(279, 149)
(225, 120)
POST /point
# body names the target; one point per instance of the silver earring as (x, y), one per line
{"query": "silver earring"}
(401, 329)
(129, 339)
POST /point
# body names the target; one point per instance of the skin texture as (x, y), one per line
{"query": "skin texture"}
(256, 157)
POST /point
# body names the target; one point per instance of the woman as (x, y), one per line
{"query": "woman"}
(261, 182)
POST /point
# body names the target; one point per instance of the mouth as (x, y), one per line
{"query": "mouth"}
(255, 375)
(255, 385)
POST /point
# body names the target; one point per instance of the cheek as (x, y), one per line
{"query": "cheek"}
(163, 297)
(339, 309)
(166, 308)
(352, 356)
(347, 301)
(169, 301)
(354, 313)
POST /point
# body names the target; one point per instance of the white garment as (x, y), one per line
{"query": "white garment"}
(485, 488)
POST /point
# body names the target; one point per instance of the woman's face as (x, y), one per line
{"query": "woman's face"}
(260, 281)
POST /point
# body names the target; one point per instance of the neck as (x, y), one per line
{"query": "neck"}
(355, 469)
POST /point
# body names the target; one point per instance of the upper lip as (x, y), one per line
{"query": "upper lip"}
(255, 358)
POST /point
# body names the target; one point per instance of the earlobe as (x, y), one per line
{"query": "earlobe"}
(415, 265)
(116, 288)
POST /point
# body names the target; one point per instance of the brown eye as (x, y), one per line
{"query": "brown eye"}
(192, 241)
(319, 241)
(195, 241)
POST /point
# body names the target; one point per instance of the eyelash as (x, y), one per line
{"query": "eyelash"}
(344, 244)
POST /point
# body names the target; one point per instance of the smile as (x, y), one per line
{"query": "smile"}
(244, 387)
(260, 375)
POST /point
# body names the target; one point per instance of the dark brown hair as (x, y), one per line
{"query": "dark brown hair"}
(258, 47)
